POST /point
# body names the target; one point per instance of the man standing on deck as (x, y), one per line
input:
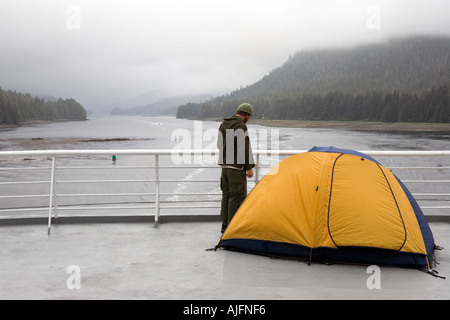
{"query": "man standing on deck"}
(236, 160)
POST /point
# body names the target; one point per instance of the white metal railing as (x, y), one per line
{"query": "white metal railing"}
(54, 182)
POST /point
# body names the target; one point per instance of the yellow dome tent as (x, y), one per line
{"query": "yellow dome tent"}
(333, 205)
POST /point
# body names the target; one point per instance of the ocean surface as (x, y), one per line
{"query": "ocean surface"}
(166, 132)
(158, 133)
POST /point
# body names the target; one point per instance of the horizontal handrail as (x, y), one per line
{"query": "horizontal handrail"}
(200, 152)
(157, 180)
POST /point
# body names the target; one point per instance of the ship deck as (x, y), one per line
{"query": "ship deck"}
(135, 260)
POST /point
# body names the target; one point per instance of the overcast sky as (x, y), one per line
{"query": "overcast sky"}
(101, 52)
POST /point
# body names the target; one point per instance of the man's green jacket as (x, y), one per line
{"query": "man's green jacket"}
(234, 144)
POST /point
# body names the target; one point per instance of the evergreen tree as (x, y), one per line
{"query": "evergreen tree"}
(17, 107)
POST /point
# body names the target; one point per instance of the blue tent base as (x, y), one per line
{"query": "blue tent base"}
(347, 255)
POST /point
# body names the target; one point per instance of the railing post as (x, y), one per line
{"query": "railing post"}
(157, 192)
(55, 193)
(257, 169)
(52, 187)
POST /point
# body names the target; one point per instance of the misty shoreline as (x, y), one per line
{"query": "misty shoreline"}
(346, 125)
(353, 125)
(34, 122)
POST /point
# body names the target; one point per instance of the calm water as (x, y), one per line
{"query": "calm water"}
(120, 132)
(162, 129)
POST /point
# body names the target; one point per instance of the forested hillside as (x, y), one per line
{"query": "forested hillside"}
(401, 80)
(19, 107)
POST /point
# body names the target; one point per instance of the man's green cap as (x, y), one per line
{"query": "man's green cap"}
(246, 107)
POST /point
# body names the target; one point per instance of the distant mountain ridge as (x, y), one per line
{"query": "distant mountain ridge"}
(409, 65)
(163, 106)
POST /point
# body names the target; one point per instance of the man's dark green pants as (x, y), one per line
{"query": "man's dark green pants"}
(233, 184)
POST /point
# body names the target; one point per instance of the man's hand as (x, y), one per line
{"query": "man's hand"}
(250, 173)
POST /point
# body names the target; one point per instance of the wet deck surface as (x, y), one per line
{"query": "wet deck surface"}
(138, 261)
